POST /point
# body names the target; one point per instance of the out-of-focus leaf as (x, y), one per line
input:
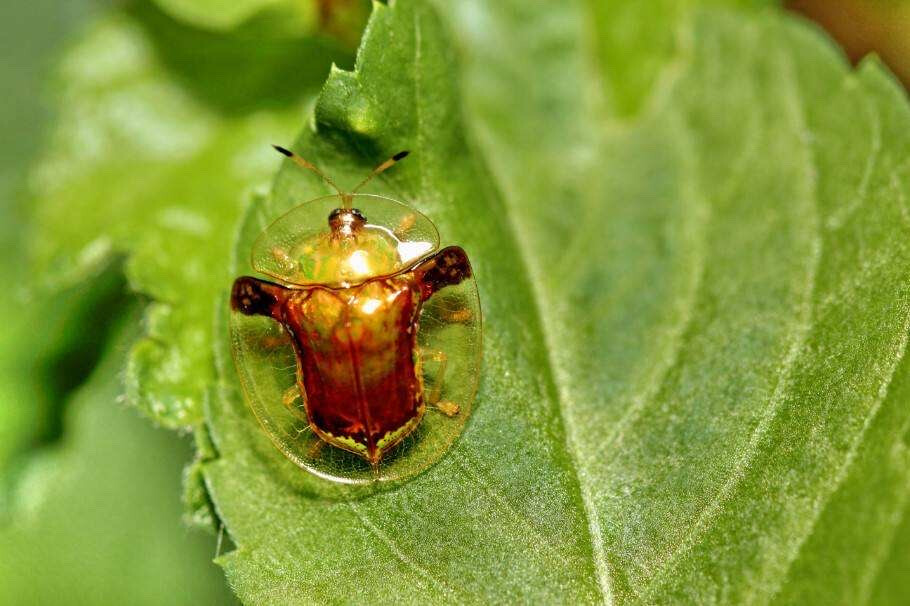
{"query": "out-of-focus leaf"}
(97, 516)
(33, 33)
(696, 328)
(342, 19)
(160, 142)
(224, 14)
(47, 349)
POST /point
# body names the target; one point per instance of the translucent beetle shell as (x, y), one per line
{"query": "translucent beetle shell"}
(361, 356)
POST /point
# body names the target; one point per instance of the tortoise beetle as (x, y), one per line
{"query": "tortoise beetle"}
(364, 327)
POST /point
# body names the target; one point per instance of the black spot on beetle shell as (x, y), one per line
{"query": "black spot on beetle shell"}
(254, 297)
(448, 267)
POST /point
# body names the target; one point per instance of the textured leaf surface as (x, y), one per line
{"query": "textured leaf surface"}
(155, 152)
(489, 511)
(694, 384)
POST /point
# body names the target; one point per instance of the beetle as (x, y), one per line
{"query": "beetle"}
(378, 317)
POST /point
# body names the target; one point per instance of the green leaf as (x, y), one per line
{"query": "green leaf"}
(35, 354)
(225, 14)
(632, 44)
(341, 19)
(153, 156)
(45, 353)
(696, 325)
(482, 508)
(97, 516)
(666, 394)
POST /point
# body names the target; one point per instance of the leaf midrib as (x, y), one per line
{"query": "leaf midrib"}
(556, 378)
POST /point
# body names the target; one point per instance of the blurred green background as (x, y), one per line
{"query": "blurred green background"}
(90, 492)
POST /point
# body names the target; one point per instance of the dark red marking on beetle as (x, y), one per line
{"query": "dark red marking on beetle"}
(446, 268)
(255, 297)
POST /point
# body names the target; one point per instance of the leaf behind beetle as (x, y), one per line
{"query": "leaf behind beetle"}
(696, 324)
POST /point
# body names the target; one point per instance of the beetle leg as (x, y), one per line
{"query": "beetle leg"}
(459, 316)
(316, 448)
(273, 341)
(291, 395)
(448, 267)
(434, 397)
(447, 407)
(435, 394)
(406, 223)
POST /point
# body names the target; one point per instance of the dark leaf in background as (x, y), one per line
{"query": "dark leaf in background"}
(97, 516)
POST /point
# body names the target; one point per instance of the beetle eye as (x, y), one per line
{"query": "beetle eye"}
(356, 212)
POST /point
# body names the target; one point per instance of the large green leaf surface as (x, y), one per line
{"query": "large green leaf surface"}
(694, 386)
(670, 430)
(832, 164)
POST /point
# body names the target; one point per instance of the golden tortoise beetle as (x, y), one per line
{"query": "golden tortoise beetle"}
(365, 326)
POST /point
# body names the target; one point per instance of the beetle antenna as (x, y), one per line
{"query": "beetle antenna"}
(309, 166)
(382, 167)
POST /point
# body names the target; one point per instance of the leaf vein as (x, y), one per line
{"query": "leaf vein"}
(824, 501)
(658, 380)
(555, 379)
(715, 505)
(527, 524)
(419, 571)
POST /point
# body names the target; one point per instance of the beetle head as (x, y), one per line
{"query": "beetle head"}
(346, 222)
(336, 241)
